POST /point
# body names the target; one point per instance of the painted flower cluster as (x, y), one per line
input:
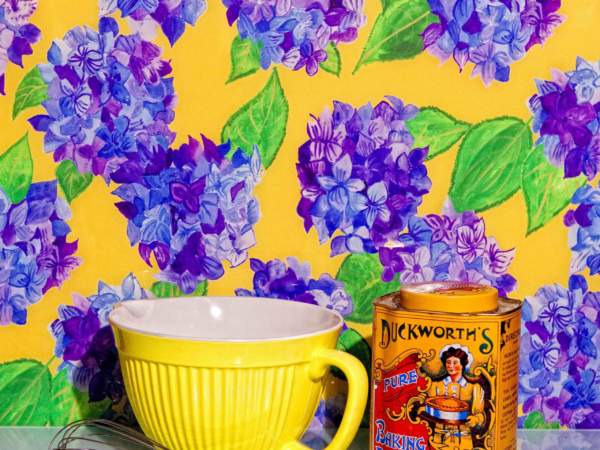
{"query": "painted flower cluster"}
(566, 114)
(194, 211)
(559, 354)
(584, 230)
(109, 109)
(448, 247)
(292, 281)
(296, 33)
(326, 421)
(361, 178)
(85, 342)
(490, 34)
(17, 34)
(109, 101)
(171, 15)
(35, 254)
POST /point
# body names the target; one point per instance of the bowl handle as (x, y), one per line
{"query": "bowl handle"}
(358, 388)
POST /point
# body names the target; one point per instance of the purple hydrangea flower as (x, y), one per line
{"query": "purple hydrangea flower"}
(450, 246)
(85, 342)
(275, 279)
(491, 34)
(35, 254)
(360, 175)
(17, 35)
(326, 421)
(171, 15)
(109, 103)
(194, 212)
(296, 33)
(566, 114)
(584, 230)
(558, 374)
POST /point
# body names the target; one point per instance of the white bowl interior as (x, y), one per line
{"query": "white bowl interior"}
(224, 318)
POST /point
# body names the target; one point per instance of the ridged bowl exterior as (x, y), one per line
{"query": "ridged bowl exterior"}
(193, 395)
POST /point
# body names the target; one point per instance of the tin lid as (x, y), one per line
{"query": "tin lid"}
(449, 296)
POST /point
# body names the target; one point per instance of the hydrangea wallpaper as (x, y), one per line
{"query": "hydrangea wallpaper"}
(322, 151)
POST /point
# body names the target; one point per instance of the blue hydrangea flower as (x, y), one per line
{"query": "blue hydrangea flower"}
(194, 212)
(292, 281)
(566, 114)
(293, 32)
(171, 15)
(450, 246)
(17, 35)
(491, 34)
(109, 102)
(85, 343)
(360, 175)
(326, 421)
(559, 354)
(35, 254)
(584, 230)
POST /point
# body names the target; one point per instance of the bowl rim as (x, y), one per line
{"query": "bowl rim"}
(338, 325)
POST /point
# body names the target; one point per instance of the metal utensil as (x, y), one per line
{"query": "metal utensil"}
(95, 434)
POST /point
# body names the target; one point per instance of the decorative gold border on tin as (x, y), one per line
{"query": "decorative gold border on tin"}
(486, 372)
(379, 366)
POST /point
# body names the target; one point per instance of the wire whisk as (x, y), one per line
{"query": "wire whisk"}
(85, 434)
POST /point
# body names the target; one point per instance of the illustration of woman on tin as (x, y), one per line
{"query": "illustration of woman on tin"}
(457, 404)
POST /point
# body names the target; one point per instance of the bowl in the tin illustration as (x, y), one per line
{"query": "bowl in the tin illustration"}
(232, 373)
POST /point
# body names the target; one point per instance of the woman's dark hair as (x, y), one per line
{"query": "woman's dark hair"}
(456, 353)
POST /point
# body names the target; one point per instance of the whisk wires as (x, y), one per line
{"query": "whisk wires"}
(81, 434)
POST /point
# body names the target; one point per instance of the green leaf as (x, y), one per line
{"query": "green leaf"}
(546, 191)
(261, 121)
(24, 393)
(71, 181)
(162, 289)
(333, 63)
(245, 58)
(32, 91)
(16, 170)
(361, 275)
(535, 420)
(435, 129)
(351, 341)
(70, 404)
(397, 32)
(488, 166)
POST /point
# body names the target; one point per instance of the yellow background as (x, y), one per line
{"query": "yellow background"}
(201, 62)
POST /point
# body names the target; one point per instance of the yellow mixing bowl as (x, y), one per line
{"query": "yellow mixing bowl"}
(232, 373)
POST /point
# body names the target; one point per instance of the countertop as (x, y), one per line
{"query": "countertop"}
(25, 438)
